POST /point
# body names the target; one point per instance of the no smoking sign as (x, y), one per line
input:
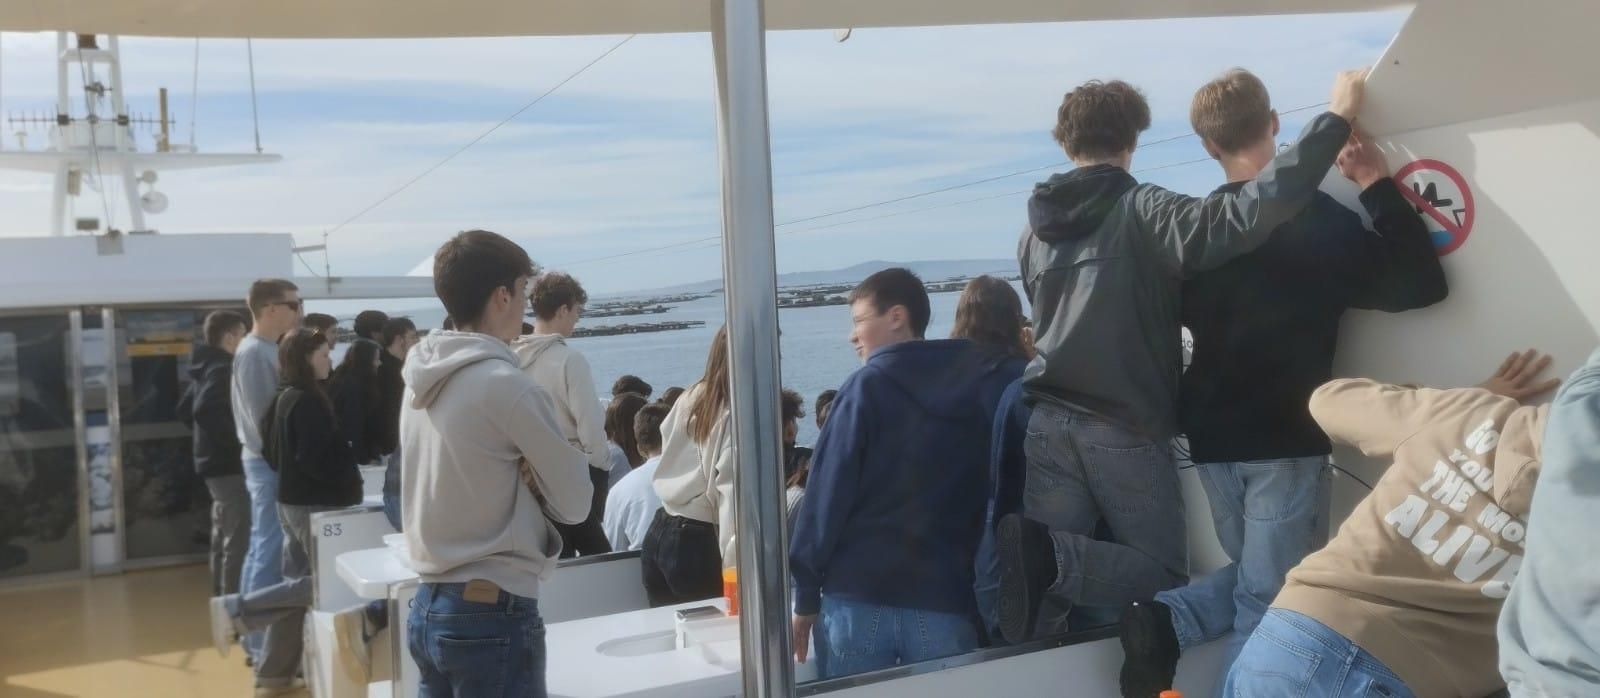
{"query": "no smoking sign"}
(1441, 196)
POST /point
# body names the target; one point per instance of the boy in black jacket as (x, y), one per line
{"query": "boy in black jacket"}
(1265, 326)
(1103, 261)
(208, 409)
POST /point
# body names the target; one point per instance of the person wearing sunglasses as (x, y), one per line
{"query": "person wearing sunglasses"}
(275, 309)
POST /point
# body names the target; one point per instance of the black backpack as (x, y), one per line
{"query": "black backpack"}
(272, 438)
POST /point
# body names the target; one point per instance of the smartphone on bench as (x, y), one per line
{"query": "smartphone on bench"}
(698, 613)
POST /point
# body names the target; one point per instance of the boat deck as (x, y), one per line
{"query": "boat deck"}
(133, 635)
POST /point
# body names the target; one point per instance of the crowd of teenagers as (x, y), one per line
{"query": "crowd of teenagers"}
(1012, 482)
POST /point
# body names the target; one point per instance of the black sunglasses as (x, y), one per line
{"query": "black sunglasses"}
(292, 305)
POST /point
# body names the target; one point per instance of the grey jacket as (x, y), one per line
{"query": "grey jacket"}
(1103, 259)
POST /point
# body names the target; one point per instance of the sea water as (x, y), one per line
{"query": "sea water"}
(815, 347)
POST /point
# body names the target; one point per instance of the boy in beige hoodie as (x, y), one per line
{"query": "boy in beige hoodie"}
(477, 538)
(1403, 601)
(544, 356)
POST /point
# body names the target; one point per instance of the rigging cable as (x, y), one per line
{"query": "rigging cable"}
(407, 185)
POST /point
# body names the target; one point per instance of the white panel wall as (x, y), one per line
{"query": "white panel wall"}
(1528, 275)
(63, 271)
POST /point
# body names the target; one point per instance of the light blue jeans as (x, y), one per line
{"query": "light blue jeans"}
(263, 564)
(1292, 655)
(1266, 514)
(863, 637)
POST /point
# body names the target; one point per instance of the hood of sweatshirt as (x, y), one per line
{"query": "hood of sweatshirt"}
(205, 358)
(441, 354)
(1521, 440)
(1073, 205)
(529, 348)
(940, 375)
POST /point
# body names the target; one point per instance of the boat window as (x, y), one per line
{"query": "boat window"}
(40, 527)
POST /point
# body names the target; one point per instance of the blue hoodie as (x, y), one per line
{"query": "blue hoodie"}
(1008, 470)
(895, 502)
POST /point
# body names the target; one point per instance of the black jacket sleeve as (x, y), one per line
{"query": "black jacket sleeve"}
(351, 414)
(213, 408)
(1195, 235)
(1398, 267)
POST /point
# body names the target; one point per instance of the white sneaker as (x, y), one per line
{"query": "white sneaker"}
(354, 644)
(222, 630)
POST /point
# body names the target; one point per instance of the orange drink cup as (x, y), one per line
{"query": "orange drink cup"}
(730, 589)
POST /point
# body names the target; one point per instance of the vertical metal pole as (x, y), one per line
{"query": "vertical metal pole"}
(80, 435)
(58, 202)
(2, 88)
(61, 77)
(58, 208)
(750, 277)
(108, 320)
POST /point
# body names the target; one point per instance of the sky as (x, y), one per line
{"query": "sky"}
(623, 158)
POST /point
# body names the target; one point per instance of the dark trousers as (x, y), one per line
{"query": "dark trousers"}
(589, 537)
(680, 560)
(230, 532)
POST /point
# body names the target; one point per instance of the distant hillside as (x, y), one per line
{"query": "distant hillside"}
(931, 270)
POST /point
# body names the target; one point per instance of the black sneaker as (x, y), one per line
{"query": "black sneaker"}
(1149, 650)
(1027, 569)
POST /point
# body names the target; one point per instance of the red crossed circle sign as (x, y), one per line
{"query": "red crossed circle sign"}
(1441, 194)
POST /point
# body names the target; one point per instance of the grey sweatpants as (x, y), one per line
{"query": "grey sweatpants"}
(230, 531)
(281, 608)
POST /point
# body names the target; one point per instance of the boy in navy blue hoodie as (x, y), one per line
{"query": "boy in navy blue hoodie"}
(885, 539)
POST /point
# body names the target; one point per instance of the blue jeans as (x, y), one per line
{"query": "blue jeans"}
(1290, 654)
(863, 637)
(391, 510)
(467, 649)
(263, 564)
(1266, 514)
(1082, 470)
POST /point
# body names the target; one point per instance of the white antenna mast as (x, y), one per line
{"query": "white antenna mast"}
(103, 145)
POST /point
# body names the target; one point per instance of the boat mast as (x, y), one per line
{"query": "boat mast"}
(85, 144)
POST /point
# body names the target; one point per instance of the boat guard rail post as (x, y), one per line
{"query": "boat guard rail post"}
(750, 278)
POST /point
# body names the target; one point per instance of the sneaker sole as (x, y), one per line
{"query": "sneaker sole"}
(1016, 592)
(220, 639)
(349, 634)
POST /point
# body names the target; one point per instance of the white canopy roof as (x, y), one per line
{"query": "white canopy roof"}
(327, 19)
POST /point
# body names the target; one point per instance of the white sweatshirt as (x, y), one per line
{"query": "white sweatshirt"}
(470, 416)
(565, 376)
(695, 481)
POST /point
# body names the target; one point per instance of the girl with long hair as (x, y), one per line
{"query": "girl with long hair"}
(691, 539)
(357, 395)
(624, 446)
(316, 472)
(990, 314)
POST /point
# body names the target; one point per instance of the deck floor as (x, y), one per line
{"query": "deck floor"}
(133, 635)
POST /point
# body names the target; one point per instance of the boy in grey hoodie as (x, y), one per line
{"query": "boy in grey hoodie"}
(478, 538)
